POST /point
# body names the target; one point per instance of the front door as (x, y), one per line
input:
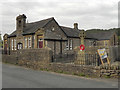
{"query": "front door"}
(40, 44)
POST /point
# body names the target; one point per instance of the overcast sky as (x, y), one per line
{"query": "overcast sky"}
(89, 14)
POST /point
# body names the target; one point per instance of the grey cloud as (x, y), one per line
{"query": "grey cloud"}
(88, 14)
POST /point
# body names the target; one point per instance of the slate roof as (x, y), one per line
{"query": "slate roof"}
(12, 34)
(71, 32)
(103, 35)
(32, 27)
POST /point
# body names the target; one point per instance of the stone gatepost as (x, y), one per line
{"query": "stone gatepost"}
(80, 55)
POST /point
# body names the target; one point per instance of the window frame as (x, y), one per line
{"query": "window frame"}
(15, 44)
(12, 43)
(25, 42)
(29, 42)
(71, 44)
(67, 45)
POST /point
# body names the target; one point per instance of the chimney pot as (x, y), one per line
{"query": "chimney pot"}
(75, 25)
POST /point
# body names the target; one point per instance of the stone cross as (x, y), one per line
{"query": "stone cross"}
(82, 35)
(81, 54)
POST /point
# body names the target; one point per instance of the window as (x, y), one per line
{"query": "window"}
(19, 46)
(90, 43)
(70, 44)
(67, 45)
(94, 43)
(25, 42)
(53, 29)
(12, 44)
(46, 43)
(29, 42)
(40, 43)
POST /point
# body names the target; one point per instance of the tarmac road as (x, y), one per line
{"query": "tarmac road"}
(19, 77)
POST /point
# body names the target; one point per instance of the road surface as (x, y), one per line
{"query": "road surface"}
(19, 77)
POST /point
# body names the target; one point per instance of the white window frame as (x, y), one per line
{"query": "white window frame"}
(46, 43)
(90, 43)
(71, 43)
(25, 42)
(12, 44)
(19, 46)
(67, 45)
(29, 42)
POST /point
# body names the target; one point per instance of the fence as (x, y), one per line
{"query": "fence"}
(88, 59)
(65, 57)
(72, 56)
(92, 59)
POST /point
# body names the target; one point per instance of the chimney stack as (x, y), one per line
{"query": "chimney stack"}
(76, 26)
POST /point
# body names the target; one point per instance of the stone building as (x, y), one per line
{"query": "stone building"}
(42, 34)
(48, 33)
(103, 38)
(1, 42)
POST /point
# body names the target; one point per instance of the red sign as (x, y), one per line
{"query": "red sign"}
(82, 47)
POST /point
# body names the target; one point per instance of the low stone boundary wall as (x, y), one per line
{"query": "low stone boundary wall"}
(62, 68)
(109, 73)
(43, 55)
(80, 70)
(35, 54)
(12, 59)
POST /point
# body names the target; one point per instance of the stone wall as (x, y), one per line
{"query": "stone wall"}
(73, 69)
(80, 70)
(35, 54)
(110, 71)
(43, 55)
(12, 59)
(40, 59)
(62, 68)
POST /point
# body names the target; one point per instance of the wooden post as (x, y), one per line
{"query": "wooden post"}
(101, 59)
(108, 61)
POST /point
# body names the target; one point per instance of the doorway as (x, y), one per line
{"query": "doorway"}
(40, 43)
(19, 46)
